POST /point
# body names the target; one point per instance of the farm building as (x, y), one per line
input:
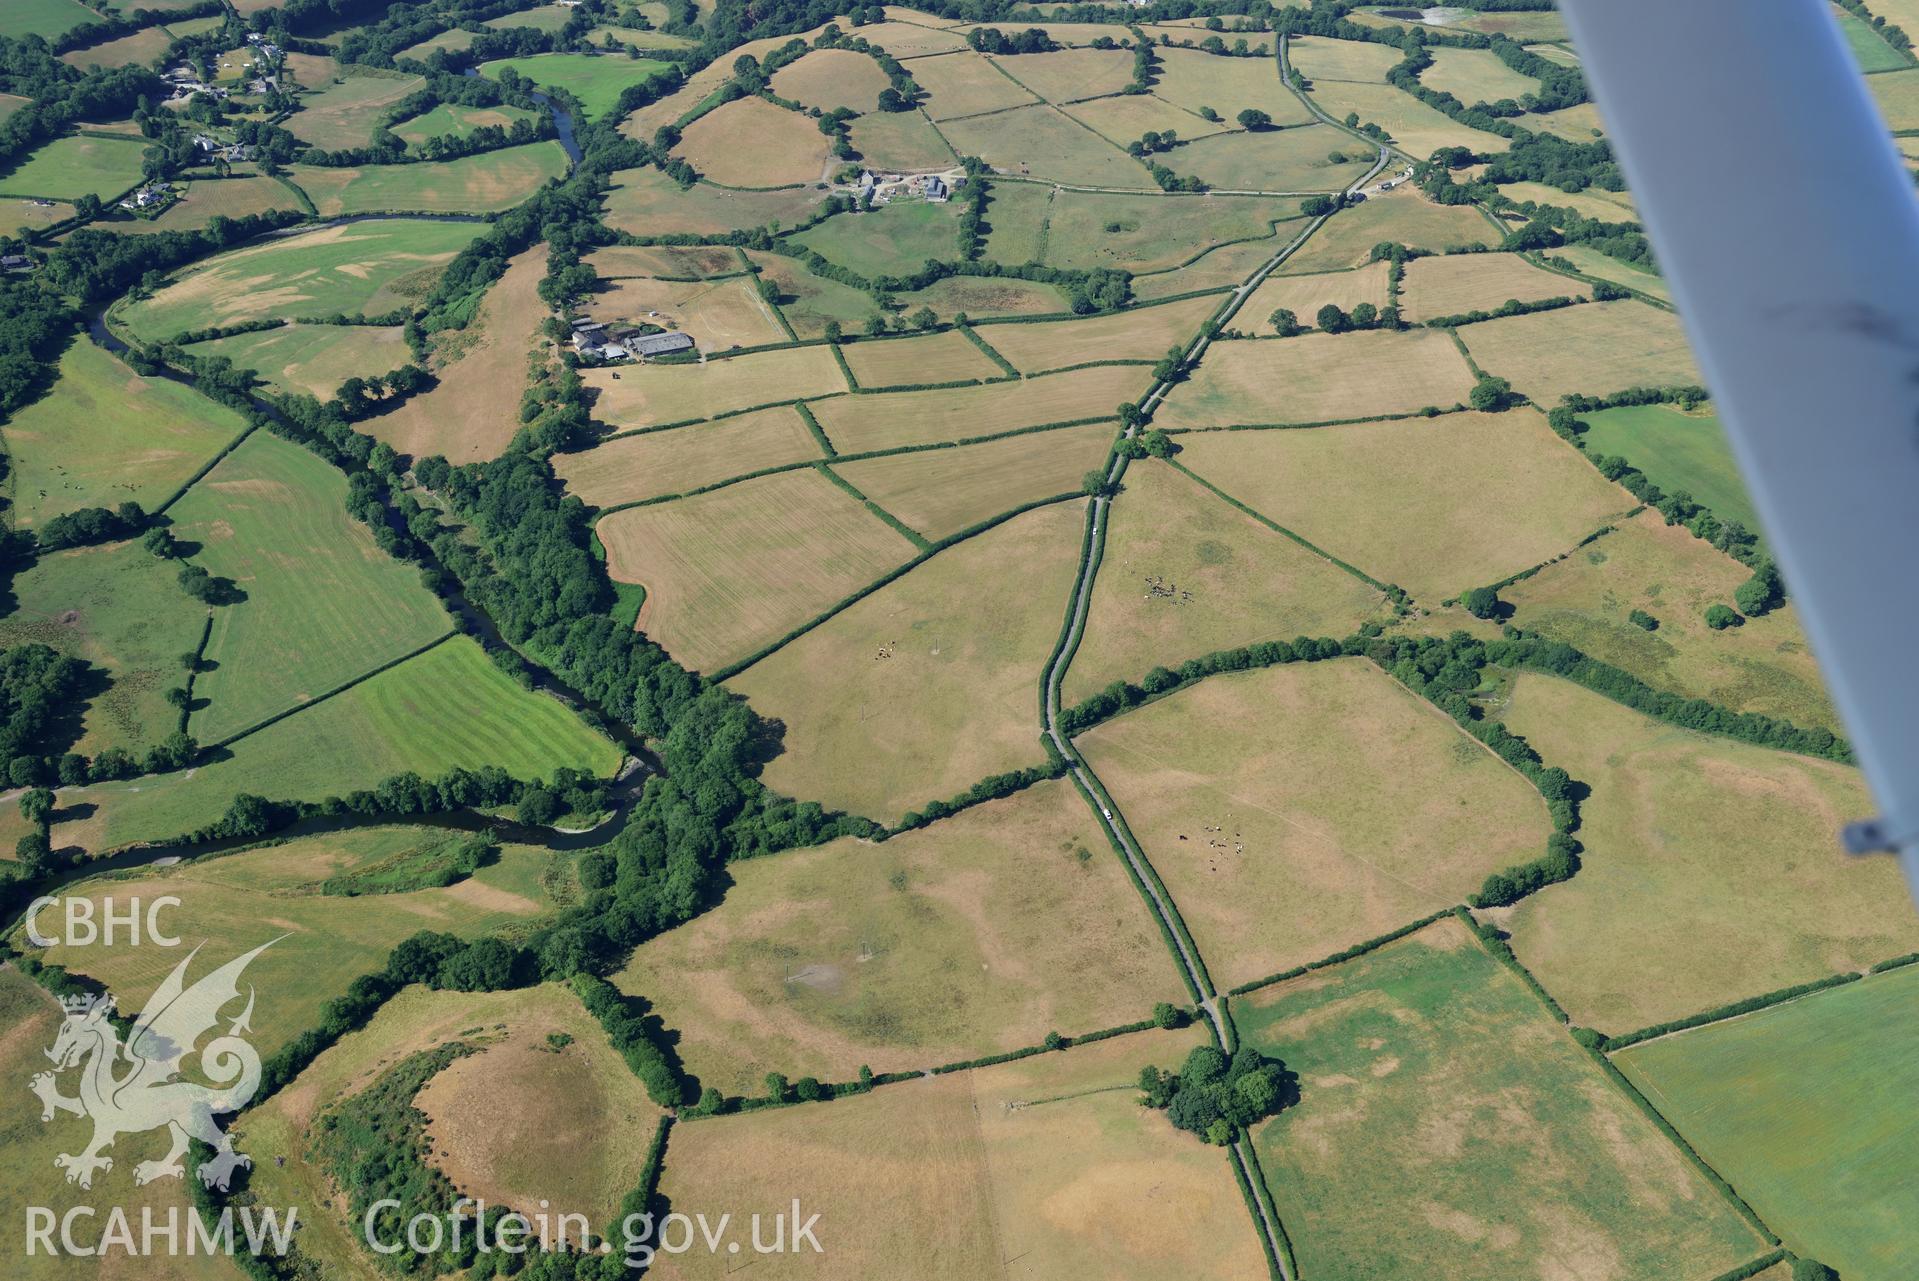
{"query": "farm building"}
(659, 344)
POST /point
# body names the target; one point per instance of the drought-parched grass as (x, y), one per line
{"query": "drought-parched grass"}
(344, 108)
(207, 198)
(1298, 159)
(887, 420)
(45, 18)
(939, 492)
(1320, 378)
(938, 946)
(810, 302)
(683, 262)
(1191, 79)
(1453, 286)
(451, 119)
(1124, 117)
(728, 572)
(1433, 1082)
(646, 395)
(1318, 58)
(1049, 1161)
(143, 46)
(1305, 295)
(751, 142)
(1150, 233)
(900, 140)
(357, 268)
(1404, 216)
(931, 358)
(1474, 76)
(1575, 124)
(648, 203)
(830, 79)
(1370, 809)
(1405, 501)
(1593, 202)
(1219, 269)
(547, 18)
(1679, 450)
(718, 313)
(966, 84)
(1804, 1107)
(982, 297)
(472, 412)
(448, 708)
(490, 182)
(323, 603)
(19, 215)
(1067, 75)
(1016, 220)
(313, 360)
(597, 80)
(1415, 128)
(910, 40)
(1041, 141)
(928, 685)
(32, 1017)
(894, 240)
(1762, 665)
(120, 609)
(635, 468)
(1184, 574)
(71, 167)
(1600, 266)
(234, 903)
(1678, 827)
(1593, 350)
(1140, 333)
(105, 435)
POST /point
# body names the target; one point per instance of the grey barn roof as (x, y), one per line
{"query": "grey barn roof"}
(659, 344)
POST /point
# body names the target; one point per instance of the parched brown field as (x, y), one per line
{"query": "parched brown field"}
(751, 142)
(1710, 871)
(856, 424)
(314, 359)
(1124, 117)
(1320, 378)
(984, 296)
(1144, 233)
(1456, 284)
(491, 182)
(932, 358)
(210, 198)
(730, 571)
(929, 684)
(966, 84)
(643, 396)
(810, 301)
(718, 313)
(1763, 665)
(831, 78)
(677, 261)
(1067, 75)
(1191, 79)
(342, 113)
(1369, 810)
(1184, 574)
(1292, 160)
(524, 1123)
(1475, 76)
(1593, 202)
(1318, 58)
(1042, 141)
(1305, 295)
(1218, 269)
(940, 492)
(911, 40)
(1435, 506)
(1404, 216)
(473, 412)
(1049, 1163)
(1593, 350)
(648, 203)
(1416, 128)
(635, 468)
(143, 46)
(939, 945)
(1139, 333)
(898, 140)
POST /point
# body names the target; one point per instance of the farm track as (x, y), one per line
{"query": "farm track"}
(1185, 950)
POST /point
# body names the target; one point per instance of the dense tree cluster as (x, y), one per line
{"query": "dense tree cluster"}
(39, 689)
(1216, 1095)
(639, 1037)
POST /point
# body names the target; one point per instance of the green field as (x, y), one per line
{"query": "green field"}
(105, 435)
(346, 109)
(323, 603)
(1273, 160)
(448, 708)
(46, 18)
(1678, 451)
(1868, 47)
(1149, 233)
(313, 360)
(1806, 1108)
(359, 268)
(1043, 142)
(452, 119)
(1449, 1128)
(596, 80)
(490, 182)
(68, 168)
(894, 240)
(119, 608)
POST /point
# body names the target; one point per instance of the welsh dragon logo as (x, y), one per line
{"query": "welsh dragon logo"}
(134, 1087)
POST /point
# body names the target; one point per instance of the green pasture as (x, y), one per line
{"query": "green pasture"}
(894, 240)
(45, 18)
(597, 80)
(71, 167)
(452, 119)
(1678, 451)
